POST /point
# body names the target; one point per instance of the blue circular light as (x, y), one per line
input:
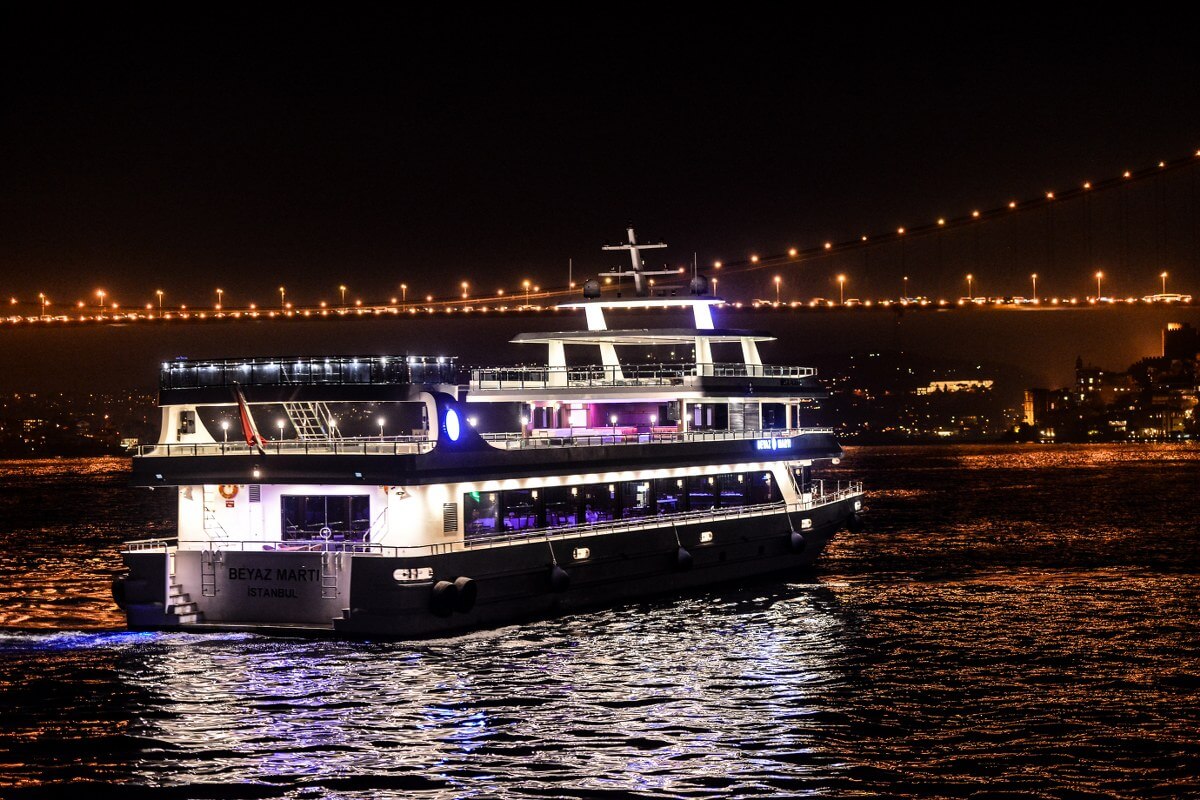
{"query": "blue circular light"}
(453, 428)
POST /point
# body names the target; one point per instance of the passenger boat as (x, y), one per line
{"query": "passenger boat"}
(386, 500)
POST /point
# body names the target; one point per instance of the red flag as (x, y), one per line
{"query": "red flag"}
(249, 429)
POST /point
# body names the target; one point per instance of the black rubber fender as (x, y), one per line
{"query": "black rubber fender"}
(119, 593)
(683, 559)
(466, 590)
(560, 579)
(442, 598)
(798, 542)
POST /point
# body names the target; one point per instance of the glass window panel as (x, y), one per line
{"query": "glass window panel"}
(774, 416)
(598, 501)
(562, 506)
(519, 509)
(636, 499)
(337, 518)
(481, 510)
(732, 490)
(670, 494)
(761, 488)
(702, 492)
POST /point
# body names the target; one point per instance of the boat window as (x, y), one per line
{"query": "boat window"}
(732, 490)
(761, 488)
(635, 499)
(598, 501)
(519, 509)
(774, 416)
(562, 506)
(339, 517)
(481, 510)
(702, 492)
(671, 498)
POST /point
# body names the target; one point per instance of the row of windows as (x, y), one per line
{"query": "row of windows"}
(563, 506)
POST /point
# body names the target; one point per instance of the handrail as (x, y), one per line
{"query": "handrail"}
(160, 543)
(388, 446)
(819, 499)
(415, 445)
(492, 378)
(519, 441)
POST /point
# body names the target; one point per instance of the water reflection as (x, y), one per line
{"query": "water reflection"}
(635, 699)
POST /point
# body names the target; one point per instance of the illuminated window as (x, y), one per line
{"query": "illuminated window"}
(336, 518)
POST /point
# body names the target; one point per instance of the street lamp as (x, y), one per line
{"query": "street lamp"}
(1033, 278)
(281, 425)
(841, 290)
(380, 423)
(342, 289)
(714, 283)
(778, 280)
(1164, 282)
(970, 287)
(282, 297)
(526, 285)
(1099, 277)
(464, 288)
(159, 292)
(220, 298)
(100, 293)
(42, 298)
(905, 287)
(403, 294)
(225, 430)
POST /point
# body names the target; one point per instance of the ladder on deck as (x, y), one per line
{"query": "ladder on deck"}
(208, 573)
(212, 528)
(311, 420)
(331, 565)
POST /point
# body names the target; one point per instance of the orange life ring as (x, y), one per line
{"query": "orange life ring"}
(228, 490)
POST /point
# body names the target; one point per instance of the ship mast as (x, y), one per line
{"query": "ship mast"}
(637, 269)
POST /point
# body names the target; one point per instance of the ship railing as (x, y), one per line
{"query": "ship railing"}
(415, 445)
(162, 544)
(541, 377)
(520, 441)
(387, 446)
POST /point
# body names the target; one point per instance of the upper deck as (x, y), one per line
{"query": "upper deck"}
(366, 377)
(615, 377)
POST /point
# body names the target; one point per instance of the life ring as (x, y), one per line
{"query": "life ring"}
(228, 490)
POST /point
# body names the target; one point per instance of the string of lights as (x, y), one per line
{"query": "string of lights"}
(523, 296)
(973, 217)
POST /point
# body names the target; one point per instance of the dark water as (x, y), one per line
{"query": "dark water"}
(1017, 621)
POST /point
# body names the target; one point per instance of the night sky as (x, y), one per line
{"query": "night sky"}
(140, 156)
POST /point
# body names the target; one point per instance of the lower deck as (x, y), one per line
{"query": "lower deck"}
(434, 591)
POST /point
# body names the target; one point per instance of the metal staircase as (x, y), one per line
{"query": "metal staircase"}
(181, 605)
(311, 420)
